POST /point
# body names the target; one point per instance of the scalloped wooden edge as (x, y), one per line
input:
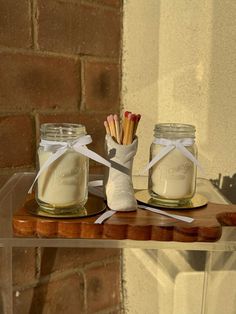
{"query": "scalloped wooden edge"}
(140, 225)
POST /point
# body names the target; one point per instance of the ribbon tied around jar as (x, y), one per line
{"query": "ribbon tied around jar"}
(169, 145)
(59, 148)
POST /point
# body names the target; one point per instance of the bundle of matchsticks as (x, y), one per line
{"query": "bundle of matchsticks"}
(123, 132)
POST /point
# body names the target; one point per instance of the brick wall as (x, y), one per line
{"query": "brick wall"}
(66, 280)
(59, 62)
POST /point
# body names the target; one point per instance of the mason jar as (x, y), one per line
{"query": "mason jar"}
(62, 186)
(172, 179)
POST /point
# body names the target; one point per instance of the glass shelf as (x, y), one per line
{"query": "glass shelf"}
(13, 193)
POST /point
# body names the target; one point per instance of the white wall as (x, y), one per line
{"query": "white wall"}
(179, 66)
(179, 61)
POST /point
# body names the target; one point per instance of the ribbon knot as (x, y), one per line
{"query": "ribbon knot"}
(70, 145)
(59, 148)
(169, 145)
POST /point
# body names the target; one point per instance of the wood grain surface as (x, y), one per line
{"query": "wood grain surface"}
(136, 225)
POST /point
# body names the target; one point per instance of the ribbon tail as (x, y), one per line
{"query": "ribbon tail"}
(105, 216)
(158, 157)
(162, 212)
(48, 162)
(187, 154)
(92, 155)
(84, 140)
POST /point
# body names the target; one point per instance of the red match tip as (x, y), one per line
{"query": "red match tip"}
(138, 117)
(129, 116)
(133, 117)
(127, 113)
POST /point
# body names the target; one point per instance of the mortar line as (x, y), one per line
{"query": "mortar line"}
(104, 262)
(38, 263)
(45, 279)
(47, 53)
(110, 310)
(102, 59)
(82, 273)
(94, 4)
(65, 273)
(42, 53)
(82, 105)
(49, 112)
(31, 4)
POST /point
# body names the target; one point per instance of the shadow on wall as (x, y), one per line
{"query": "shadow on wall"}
(222, 92)
(227, 186)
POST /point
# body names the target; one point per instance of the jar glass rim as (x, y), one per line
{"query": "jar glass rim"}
(174, 130)
(61, 130)
(175, 127)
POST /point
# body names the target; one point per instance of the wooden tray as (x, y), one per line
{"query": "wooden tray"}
(137, 225)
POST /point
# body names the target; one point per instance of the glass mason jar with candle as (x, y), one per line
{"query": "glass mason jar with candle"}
(62, 186)
(172, 177)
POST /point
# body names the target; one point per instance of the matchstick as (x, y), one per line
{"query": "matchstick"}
(138, 117)
(124, 125)
(127, 129)
(111, 124)
(131, 129)
(107, 128)
(122, 134)
(117, 126)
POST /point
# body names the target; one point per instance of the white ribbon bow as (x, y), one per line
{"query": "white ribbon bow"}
(59, 148)
(169, 146)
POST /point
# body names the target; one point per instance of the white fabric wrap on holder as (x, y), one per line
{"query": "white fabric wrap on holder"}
(119, 187)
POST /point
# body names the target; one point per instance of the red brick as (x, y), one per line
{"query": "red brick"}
(59, 26)
(17, 141)
(103, 287)
(15, 23)
(100, 31)
(55, 297)
(112, 3)
(102, 86)
(23, 265)
(117, 311)
(78, 28)
(60, 259)
(38, 82)
(109, 3)
(92, 122)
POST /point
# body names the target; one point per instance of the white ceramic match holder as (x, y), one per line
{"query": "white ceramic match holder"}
(118, 183)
